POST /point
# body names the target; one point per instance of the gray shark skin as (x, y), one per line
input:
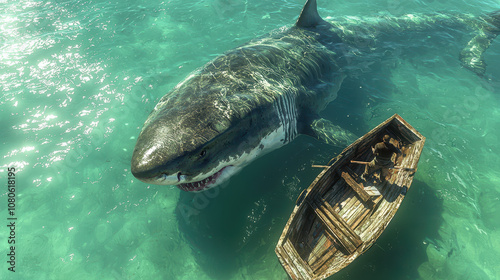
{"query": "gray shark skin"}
(260, 96)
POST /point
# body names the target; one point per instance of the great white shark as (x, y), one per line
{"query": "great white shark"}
(261, 95)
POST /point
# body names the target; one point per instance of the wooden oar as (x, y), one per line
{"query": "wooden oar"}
(320, 166)
(360, 162)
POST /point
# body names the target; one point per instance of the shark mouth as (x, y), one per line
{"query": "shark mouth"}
(206, 183)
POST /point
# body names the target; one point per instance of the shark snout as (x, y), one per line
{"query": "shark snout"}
(158, 178)
(149, 169)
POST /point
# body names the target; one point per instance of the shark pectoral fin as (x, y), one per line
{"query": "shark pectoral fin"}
(326, 131)
(471, 56)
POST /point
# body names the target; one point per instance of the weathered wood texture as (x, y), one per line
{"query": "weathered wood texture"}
(338, 219)
(358, 188)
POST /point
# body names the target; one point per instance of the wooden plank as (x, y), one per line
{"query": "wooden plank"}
(333, 191)
(372, 191)
(367, 213)
(302, 269)
(337, 226)
(322, 183)
(339, 201)
(349, 243)
(321, 264)
(325, 206)
(336, 232)
(353, 211)
(319, 250)
(355, 186)
(287, 263)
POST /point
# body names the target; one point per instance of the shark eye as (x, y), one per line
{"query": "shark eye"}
(203, 153)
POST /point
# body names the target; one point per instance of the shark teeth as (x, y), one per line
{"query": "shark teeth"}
(203, 184)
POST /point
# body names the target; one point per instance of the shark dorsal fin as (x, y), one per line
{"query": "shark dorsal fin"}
(309, 16)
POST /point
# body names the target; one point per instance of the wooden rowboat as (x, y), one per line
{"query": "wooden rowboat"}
(337, 218)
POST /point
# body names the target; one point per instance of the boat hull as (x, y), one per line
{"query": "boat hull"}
(340, 216)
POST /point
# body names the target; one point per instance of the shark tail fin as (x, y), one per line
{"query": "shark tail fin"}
(309, 16)
(472, 55)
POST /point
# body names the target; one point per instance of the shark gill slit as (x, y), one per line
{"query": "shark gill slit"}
(287, 114)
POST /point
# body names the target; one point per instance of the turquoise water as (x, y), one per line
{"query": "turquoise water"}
(79, 78)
